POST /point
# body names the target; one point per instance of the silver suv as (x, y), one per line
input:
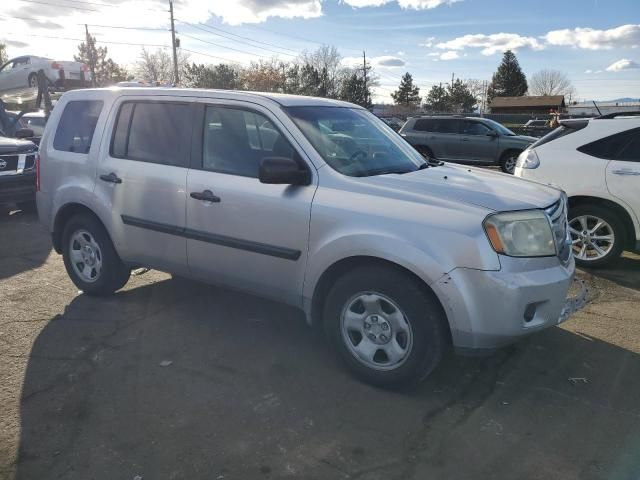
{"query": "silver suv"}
(312, 202)
(466, 140)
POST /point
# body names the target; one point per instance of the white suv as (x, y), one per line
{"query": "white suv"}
(313, 202)
(597, 163)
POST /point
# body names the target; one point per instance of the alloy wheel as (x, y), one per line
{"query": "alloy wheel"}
(592, 238)
(376, 331)
(85, 255)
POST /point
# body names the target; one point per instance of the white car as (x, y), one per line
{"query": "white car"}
(21, 73)
(596, 162)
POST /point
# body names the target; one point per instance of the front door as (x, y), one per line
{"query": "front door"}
(623, 173)
(142, 176)
(474, 144)
(241, 232)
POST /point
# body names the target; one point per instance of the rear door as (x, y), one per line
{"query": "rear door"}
(623, 172)
(142, 176)
(241, 232)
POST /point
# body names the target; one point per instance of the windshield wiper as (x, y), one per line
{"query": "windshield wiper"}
(385, 171)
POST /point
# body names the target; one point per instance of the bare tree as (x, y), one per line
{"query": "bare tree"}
(157, 67)
(478, 89)
(550, 82)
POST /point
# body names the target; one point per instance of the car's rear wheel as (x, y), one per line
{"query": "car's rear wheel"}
(90, 258)
(597, 235)
(389, 331)
(33, 80)
(508, 161)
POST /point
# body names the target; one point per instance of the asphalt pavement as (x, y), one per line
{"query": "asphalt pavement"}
(174, 379)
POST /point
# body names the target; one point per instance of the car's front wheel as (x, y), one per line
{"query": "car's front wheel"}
(508, 161)
(388, 330)
(597, 235)
(90, 258)
(33, 80)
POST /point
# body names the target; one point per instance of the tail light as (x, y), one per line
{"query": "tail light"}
(84, 67)
(37, 172)
(56, 65)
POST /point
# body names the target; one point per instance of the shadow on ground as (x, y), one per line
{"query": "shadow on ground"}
(25, 251)
(624, 271)
(180, 380)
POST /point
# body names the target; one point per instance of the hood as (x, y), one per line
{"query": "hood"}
(523, 138)
(14, 145)
(474, 186)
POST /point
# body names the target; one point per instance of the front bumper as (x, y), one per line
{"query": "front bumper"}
(490, 309)
(18, 188)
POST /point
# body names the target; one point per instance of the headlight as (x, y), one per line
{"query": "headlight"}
(526, 233)
(528, 159)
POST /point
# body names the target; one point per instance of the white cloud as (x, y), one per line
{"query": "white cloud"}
(591, 39)
(490, 44)
(428, 42)
(434, 54)
(588, 71)
(406, 4)
(624, 64)
(450, 55)
(401, 53)
(387, 61)
(236, 12)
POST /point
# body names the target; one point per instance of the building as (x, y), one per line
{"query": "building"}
(530, 105)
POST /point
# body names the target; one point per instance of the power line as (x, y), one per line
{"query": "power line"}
(235, 40)
(74, 7)
(82, 40)
(209, 28)
(300, 38)
(221, 46)
(209, 55)
(127, 28)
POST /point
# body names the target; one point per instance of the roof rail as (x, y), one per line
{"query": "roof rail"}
(619, 114)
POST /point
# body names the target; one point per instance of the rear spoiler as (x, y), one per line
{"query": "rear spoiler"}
(575, 123)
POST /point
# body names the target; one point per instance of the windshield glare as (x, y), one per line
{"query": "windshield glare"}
(501, 129)
(355, 142)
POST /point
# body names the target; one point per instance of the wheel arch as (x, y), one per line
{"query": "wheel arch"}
(620, 211)
(63, 215)
(340, 267)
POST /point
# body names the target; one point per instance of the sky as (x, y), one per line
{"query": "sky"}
(595, 42)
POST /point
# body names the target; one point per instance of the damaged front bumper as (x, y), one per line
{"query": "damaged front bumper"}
(577, 298)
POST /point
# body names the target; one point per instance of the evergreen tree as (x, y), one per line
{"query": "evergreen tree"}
(437, 99)
(407, 94)
(509, 80)
(460, 97)
(106, 70)
(4, 58)
(222, 76)
(353, 90)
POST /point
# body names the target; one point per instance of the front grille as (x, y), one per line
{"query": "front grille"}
(8, 163)
(560, 226)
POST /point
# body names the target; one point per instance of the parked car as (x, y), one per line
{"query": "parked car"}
(34, 121)
(21, 73)
(17, 172)
(394, 122)
(395, 258)
(597, 162)
(536, 124)
(465, 140)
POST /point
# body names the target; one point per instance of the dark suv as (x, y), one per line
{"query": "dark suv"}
(17, 172)
(465, 140)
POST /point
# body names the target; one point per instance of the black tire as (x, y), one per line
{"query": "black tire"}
(33, 80)
(113, 275)
(505, 165)
(425, 151)
(619, 232)
(422, 311)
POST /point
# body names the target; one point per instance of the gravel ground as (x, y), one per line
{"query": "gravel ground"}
(172, 379)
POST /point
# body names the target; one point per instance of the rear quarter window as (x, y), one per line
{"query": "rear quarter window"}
(614, 146)
(77, 125)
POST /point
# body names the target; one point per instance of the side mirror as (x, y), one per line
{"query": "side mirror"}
(492, 133)
(281, 170)
(25, 133)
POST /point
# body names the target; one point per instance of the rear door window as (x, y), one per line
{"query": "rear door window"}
(631, 153)
(155, 132)
(613, 146)
(424, 125)
(474, 128)
(446, 125)
(77, 125)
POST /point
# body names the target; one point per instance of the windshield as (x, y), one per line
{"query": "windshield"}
(501, 129)
(354, 142)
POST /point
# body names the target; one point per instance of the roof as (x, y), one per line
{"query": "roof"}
(279, 98)
(529, 101)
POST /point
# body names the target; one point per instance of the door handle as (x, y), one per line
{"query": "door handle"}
(205, 196)
(465, 139)
(626, 172)
(111, 178)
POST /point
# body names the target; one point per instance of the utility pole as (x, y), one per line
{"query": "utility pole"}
(92, 60)
(364, 70)
(284, 79)
(452, 77)
(173, 43)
